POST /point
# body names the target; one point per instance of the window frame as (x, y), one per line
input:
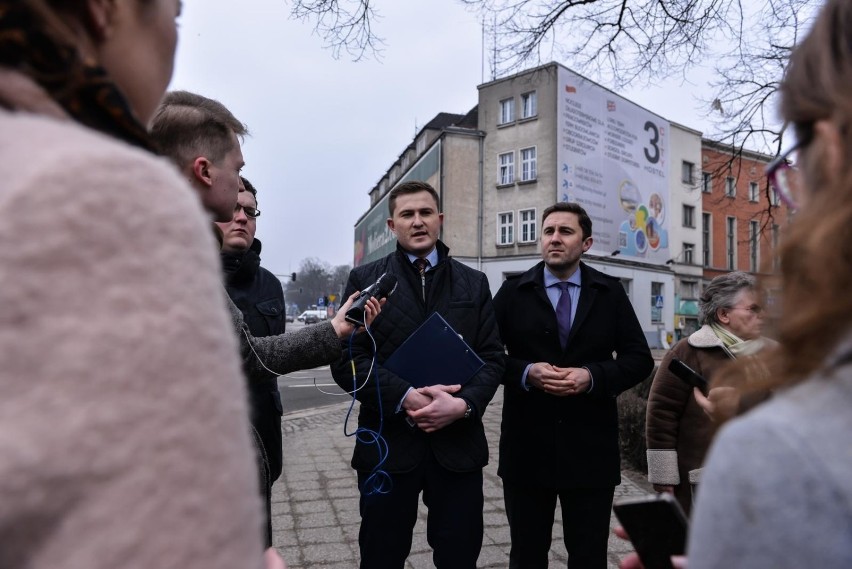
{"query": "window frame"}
(688, 253)
(532, 163)
(707, 182)
(688, 215)
(753, 192)
(731, 243)
(530, 224)
(507, 104)
(687, 172)
(509, 227)
(509, 177)
(730, 187)
(525, 98)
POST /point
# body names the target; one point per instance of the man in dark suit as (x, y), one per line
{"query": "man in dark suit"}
(573, 344)
(435, 440)
(259, 296)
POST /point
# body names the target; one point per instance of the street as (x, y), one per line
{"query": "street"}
(310, 388)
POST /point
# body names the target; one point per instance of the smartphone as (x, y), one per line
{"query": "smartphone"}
(687, 374)
(657, 528)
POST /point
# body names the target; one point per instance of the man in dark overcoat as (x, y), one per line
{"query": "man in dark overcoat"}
(573, 343)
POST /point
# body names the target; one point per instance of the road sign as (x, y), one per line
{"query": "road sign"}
(332, 297)
(659, 301)
(320, 301)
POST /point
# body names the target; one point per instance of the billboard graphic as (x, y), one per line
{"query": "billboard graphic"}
(613, 160)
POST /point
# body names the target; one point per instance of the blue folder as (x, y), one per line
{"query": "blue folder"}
(434, 354)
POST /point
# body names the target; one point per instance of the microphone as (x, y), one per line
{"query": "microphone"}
(382, 288)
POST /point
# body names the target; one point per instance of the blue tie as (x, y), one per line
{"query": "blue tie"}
(563, 313)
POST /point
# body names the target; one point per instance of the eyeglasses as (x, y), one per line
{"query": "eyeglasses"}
(784, 178)
(251, 212)
(754, 308)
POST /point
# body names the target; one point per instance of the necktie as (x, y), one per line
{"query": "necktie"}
(563, 313)
(421, 265)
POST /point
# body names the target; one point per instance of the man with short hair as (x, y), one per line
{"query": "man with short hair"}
(202, 137)
(573, 343)
(435, 439)
(259, 296)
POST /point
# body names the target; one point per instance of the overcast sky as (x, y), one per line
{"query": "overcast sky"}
(323, 131)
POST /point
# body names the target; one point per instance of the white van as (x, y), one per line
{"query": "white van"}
(315, 314)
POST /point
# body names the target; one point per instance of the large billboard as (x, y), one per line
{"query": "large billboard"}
(612, 157)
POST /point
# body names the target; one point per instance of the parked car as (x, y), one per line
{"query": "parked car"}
(311, 319)
(289, 318)
(320, 315)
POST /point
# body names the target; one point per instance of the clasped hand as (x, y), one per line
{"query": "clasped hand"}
(559, 381)
(434, 407)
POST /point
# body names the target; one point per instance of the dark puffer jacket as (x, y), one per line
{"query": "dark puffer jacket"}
(459, 294)
(259, 296)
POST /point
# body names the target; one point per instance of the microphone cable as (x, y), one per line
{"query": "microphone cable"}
(378, 481)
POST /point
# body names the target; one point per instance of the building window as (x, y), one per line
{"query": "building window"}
(529, 104)
(753, 246)
(656, 302)
(688, 216)
(507, 169)
(730, 187)
(686, 169)
(505, 228)
(731, 243)
(688, 253)
(773, 197)
(753, 192)
(528, 229)
(706, 182)
(689, 289)
(507, 111)
(528, 168)
(705, 239)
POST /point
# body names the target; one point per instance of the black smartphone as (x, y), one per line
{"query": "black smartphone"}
(687, 374)
(657, 528)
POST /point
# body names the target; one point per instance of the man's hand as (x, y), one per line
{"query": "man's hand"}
(559, 381)
(343, 328)
(415, 400)
(443, 410)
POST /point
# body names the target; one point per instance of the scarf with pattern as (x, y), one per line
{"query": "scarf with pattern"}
(81, 88)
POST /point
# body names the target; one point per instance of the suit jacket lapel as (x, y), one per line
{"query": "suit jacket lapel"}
(587, 298)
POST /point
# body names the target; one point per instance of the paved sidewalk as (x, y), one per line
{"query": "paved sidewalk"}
(315, 502)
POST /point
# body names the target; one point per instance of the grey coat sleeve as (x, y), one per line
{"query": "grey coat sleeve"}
(306, 348)
(765, 502)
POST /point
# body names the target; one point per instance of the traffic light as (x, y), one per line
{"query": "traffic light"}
(293, 277)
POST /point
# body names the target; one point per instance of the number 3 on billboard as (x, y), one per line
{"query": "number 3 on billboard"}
(655, 138)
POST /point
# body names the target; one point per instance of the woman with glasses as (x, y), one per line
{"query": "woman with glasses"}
(678, 431)
(776, 491)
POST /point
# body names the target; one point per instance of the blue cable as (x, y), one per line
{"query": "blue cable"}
(378, 481)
